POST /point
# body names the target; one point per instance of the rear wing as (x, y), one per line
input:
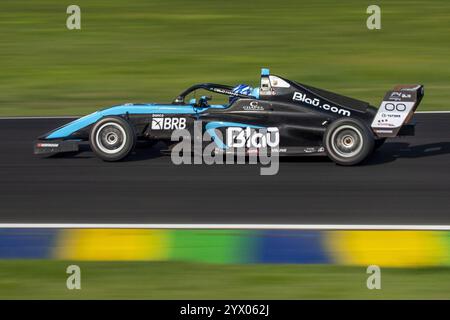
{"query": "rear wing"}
(397, 109)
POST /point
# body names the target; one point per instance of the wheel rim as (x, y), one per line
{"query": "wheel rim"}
(111, 138)
(347, 141)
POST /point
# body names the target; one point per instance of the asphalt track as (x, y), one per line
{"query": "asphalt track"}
(407, 181)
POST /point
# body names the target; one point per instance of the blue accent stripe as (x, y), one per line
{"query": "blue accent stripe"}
(211, 126)
(255, 93)
(73, 126)
(218, 106)
(265, 72)
(85, 121)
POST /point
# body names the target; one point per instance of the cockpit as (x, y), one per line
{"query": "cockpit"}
(202, 95)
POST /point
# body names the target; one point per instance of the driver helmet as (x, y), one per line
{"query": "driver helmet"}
(241, 89)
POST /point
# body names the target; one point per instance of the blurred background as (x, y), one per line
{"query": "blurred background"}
(150, 50)
(223, 264)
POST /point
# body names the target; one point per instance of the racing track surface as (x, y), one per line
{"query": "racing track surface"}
(406, 182)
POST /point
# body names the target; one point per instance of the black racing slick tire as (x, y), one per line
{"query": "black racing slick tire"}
(348, 141)
(112, 138)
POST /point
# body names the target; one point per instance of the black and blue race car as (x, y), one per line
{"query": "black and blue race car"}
(309, 121)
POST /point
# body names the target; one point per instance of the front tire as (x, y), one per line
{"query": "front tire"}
(348, 141)
(112, 138)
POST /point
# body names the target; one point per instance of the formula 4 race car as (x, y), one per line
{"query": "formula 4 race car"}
(309, 121)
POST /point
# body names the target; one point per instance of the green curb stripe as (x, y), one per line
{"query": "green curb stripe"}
(446, 243)
(212, 246)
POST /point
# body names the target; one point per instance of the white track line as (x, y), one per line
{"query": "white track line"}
(225, 226)
(432, 112)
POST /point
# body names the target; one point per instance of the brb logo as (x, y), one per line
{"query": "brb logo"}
(162, 123)
(238, 137)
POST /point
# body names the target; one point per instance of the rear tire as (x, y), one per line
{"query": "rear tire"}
(112, 138)
(348, 141)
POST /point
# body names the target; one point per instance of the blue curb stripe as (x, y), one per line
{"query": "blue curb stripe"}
(27, 244)
(292, 246)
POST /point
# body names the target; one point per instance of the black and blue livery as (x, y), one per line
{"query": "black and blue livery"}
(310, 121)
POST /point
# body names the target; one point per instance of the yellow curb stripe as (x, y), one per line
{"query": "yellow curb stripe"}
(113, 244)
(387, 248)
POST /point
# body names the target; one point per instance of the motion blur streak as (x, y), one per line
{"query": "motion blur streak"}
(383, 248)
(112, 244)
(389, 248)
(150, 50)
(212, 246)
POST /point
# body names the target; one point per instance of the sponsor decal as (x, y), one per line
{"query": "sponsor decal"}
(268, 92)
(245, 145)
(247, 151)
(309, 150)
(279, 150)
(313, 149)
(398, 96)
(392, 114)
(47, 145)
(383, 131)
(385, 123)
(253, 106)
(298, 96)
(227, 92)
(238, 137)
(165, 123)
(400, 107)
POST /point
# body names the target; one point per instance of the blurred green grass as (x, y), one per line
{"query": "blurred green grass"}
(45, 279)
(148, 51)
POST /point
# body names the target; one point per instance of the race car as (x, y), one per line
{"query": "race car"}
(308, 120)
